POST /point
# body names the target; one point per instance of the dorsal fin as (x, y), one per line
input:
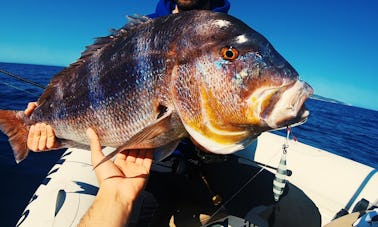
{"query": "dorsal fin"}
(136, 19)
(100, 42)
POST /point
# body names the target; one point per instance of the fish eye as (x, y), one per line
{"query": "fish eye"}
(229, 53)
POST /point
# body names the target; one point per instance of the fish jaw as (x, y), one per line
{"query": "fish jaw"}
(287, 108)
(199, 111)
(208, 133)
(220, 141)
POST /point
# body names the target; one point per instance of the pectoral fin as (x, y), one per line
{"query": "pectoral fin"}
(145, 138)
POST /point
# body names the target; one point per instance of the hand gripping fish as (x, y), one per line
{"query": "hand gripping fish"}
(197, 74)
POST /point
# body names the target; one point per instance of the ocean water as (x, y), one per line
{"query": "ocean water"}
(347, 131)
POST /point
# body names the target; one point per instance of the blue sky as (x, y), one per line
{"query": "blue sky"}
(332, 44)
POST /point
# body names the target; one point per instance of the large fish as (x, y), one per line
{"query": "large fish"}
(200, 74)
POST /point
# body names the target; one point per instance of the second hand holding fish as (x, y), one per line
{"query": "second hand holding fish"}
(41, 136)
(120, 182)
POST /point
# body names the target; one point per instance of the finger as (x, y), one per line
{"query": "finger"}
(96, 151)
(30, 142)
(120, 158)
(43, 137)
(36, 136)
(144, 158)
(122, 155)
(131, 156)
(50, 140)
(30, 108)
(137, 164)
(140, 156)
(148, 159)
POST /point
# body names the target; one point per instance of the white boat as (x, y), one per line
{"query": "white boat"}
(321, 186)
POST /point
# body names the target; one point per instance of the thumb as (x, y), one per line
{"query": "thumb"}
(106, 169)
(96, 151)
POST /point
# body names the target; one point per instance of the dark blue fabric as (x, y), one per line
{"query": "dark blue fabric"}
(165, 7)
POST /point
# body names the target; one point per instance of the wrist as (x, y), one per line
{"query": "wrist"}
(108, 209)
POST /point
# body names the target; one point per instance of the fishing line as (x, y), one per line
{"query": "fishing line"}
(289, 172)
(21, 79)
(17, 88)
(236, 193)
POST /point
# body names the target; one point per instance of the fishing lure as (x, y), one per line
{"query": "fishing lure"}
(279, 182)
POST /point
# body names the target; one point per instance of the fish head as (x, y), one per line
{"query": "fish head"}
(230, 85)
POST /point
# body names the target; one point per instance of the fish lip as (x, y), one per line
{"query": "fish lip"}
(300, 119)
(288, 109)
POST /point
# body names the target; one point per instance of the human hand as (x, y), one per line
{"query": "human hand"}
(30, 108)
(120, 183)
(127, 175)
(41, 136)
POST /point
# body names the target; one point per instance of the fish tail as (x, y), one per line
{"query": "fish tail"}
(12, 123)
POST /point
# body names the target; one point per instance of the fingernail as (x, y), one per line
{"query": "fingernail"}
(89, 133)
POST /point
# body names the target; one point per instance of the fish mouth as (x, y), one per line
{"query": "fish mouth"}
(286, 107)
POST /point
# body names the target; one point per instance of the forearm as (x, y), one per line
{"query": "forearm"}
(108, 209)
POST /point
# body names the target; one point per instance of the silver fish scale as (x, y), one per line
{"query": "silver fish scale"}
(114, 124)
